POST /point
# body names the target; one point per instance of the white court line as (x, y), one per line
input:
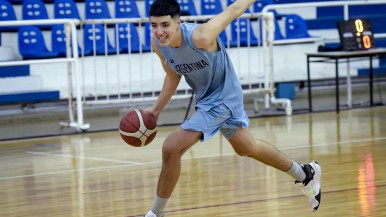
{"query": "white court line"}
(208, 156)
(80, 157)
(72, 171)
(334, 143)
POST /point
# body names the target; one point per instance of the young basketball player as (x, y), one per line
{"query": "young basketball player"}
(195, 52)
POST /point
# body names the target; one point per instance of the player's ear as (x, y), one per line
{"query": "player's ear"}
(178, 23)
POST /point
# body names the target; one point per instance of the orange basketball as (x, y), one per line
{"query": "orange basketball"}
(138, 127)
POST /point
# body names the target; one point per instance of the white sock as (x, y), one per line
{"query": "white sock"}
(296, 171)
(159, 205)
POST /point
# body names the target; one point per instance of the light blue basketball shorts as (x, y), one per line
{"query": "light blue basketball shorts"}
(217, 118)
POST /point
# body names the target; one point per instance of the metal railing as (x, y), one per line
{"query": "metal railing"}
(132, 77)
(116, 78)
(72, 69)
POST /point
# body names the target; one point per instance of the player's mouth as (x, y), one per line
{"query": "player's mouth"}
(162, 39)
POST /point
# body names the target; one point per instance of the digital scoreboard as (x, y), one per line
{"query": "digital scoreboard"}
(356, 34)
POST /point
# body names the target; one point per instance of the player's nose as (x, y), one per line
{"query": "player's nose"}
(158, 31)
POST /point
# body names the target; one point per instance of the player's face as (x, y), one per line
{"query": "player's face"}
(166, 30)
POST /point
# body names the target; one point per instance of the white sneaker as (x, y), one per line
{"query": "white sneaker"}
(311, 185)
(152, 214)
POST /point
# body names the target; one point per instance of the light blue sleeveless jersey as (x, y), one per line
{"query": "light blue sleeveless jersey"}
(210, 74)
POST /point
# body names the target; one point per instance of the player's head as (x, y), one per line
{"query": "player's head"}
(165, 22)
(161, 8)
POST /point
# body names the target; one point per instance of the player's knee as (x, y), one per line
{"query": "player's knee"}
(242, 151)
(169, 151)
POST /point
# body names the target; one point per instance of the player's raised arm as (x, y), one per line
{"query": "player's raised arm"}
(205, 35)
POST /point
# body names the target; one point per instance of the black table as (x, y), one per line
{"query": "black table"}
(336, 56)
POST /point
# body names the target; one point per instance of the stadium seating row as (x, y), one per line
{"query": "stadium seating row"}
(15, 2)
(98, 9)
(32, 45)
(127, 37)
(31, 42)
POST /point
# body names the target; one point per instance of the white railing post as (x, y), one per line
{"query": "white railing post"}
(268, 28)
(67, 32)
(80, 125)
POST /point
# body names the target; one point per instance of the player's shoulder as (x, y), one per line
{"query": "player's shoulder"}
(189, 26)
(199, 34)
(189, 32)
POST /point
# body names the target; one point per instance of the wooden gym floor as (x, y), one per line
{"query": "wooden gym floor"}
(96, 174)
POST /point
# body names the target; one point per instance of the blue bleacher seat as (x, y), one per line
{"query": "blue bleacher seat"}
(209, 7)
(239, 31)
(96, 9)
(32, 45)
(65, 9)
(278, 34)
(58, 41)
(187, 7)
(295, 27)
(7, 13)
(96, 32)
(34, 10)
(128, 38)
(126, 9)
